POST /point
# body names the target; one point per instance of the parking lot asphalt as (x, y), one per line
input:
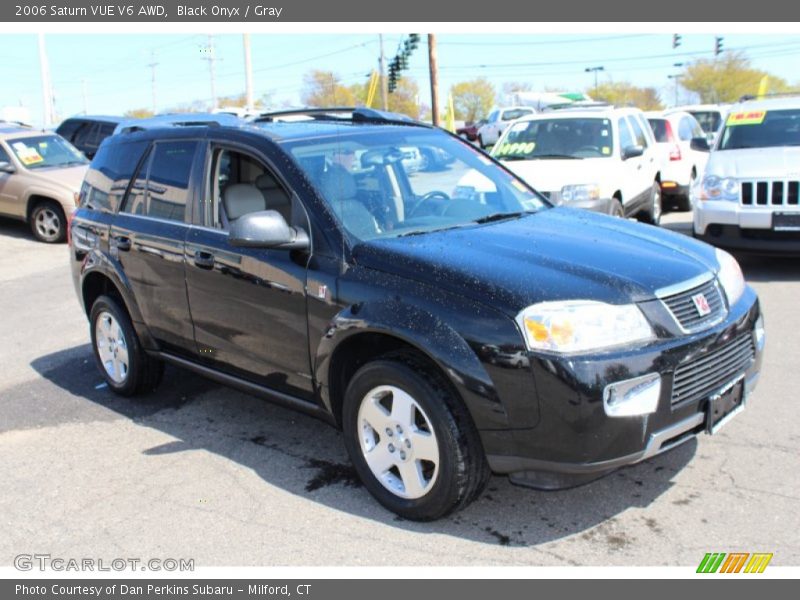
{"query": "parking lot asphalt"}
(197, 470)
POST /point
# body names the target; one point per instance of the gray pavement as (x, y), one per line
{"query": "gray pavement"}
(197, 470)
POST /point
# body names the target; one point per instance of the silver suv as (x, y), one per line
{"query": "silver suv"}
(748, 197)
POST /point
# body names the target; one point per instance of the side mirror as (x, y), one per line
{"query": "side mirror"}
(632, 152)
(700, 144)
(266, 229)
(7, 167)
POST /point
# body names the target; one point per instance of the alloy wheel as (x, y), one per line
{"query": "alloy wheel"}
(112, 347)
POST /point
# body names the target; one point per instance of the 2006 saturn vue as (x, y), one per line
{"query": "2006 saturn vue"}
(446, 317)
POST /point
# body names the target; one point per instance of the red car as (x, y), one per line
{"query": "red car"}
(470, 132)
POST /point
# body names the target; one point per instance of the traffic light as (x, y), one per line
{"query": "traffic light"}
(676, 40)
(400, 62)
(717, 46)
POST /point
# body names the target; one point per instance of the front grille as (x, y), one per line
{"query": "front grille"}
(686, 313)
(770, 193)
(698, 378)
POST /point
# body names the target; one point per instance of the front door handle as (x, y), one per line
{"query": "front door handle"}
(121, 242)
(204, 260)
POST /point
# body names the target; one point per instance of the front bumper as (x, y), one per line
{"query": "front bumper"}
(749, 228)
(575, 441)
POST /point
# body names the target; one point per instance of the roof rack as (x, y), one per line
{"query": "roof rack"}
(751, 97)
(339, 113)
(177, 120)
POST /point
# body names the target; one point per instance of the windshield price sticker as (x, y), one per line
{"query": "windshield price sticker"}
(752, 117)
(516, 148)
(29, 156)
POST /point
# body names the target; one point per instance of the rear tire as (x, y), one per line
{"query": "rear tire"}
(411, 440)
(48, 222)
(126, 367)
(653, 215)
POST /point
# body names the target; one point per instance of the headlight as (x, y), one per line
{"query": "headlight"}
(730, 276)
(582, 325)
(718, 188)
(580, 193)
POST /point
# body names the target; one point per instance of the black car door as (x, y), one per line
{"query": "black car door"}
(148, 237)
(248, 305)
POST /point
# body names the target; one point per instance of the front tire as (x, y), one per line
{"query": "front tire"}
(48, 222)
(126, 367)
(411, 440)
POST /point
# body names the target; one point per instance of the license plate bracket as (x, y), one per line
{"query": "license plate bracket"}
(725, 404)
(786, 221)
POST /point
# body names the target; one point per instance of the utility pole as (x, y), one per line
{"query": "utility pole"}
(47, 92)
(83, 94)
(211, 58)
(382, 68)
(153, 64)
(248, 73)
(434, 70)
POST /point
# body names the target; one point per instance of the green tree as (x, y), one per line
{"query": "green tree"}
(624, 93)
(324, 89)
(473, 99)
(138, 113)
(240, 100)
(728, 78)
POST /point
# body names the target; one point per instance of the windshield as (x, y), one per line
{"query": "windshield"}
(46, 151)
(407, 181)
(556, 138)
(660, 130)
(761, 129)
(710, 120)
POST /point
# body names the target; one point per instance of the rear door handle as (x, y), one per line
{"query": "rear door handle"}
(204, 260)
(121, 242)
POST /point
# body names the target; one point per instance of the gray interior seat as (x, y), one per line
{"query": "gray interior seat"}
(275, 197)
(242, 198)
(339, 188)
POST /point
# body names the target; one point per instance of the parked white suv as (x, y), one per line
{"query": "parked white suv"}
(497, 122)
(599, 158)
(684, 150)
(748, 197)
(710, 116)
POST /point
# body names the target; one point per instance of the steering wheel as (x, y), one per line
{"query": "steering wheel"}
(429, 196)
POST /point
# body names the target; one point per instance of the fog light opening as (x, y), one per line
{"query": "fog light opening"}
(632, 397)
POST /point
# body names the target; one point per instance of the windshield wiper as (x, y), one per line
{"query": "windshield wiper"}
(556, 156)
(498, 217)
(512, 157)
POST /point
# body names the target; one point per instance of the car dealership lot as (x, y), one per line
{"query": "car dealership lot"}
(197, 470)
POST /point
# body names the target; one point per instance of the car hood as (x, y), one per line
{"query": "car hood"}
(550, 175)
(782, 162)
(70, 178)
(555, 254)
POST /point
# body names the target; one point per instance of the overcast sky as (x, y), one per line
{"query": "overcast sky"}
(117, 77)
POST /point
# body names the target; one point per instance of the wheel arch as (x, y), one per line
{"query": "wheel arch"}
(346, 347)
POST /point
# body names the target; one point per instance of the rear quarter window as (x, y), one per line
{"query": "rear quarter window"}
(109, 175)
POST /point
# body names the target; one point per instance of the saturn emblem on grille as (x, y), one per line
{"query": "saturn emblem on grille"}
(701, 304)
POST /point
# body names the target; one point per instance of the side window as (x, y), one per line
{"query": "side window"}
(638, 132)
(69, 128)
(241, 184)
(492, 116)
(697, 131)
(85, 135)
(168, 180)
(685, 129)
(161, 187)
(4, 157)
(625, 137)
(109, 175)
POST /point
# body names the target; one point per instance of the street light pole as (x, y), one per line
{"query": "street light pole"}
(594, 70)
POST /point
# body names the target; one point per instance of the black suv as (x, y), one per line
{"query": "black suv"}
(452, 322)
(86, 133)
